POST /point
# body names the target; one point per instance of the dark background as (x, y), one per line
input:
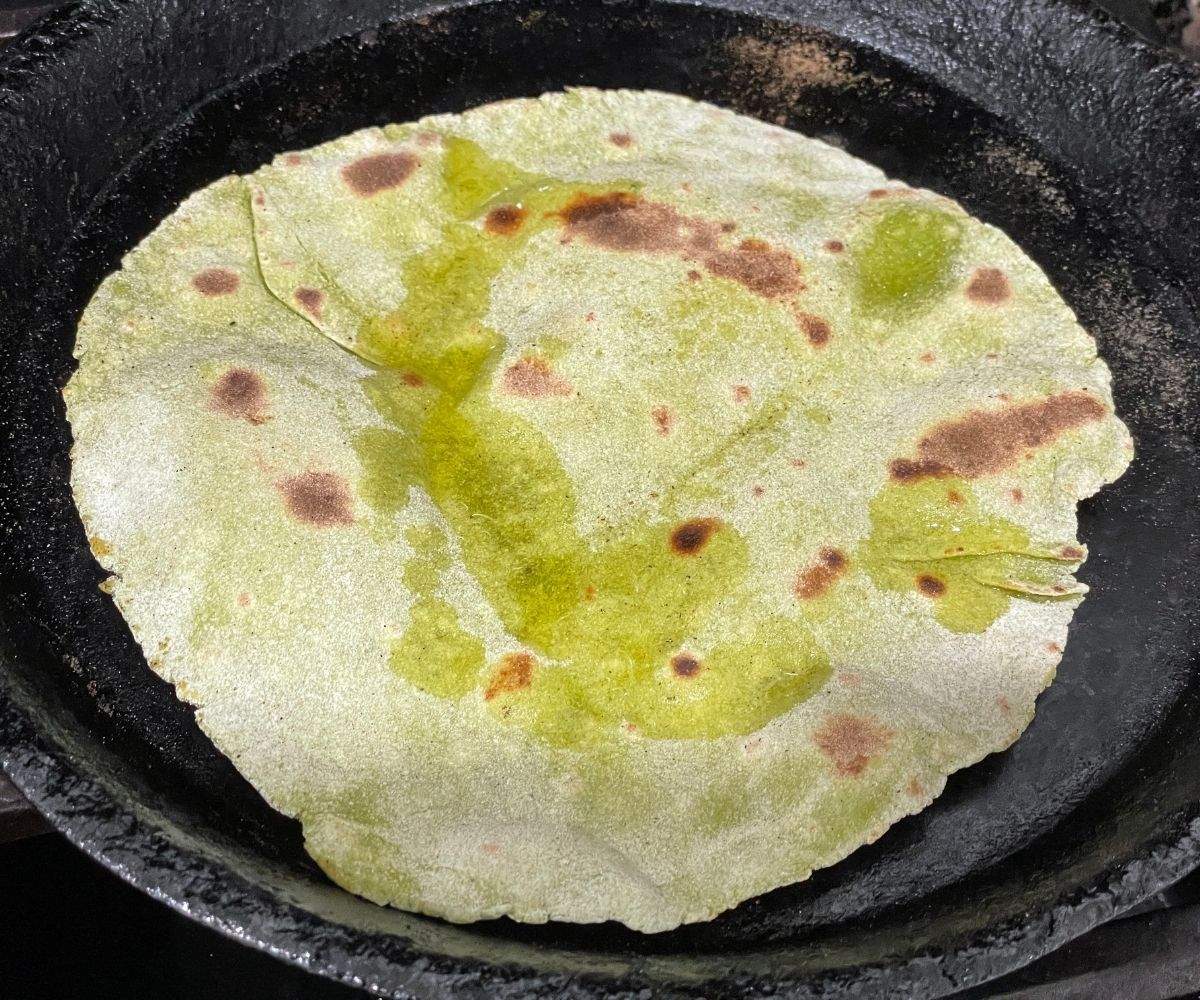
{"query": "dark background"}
(69, 929)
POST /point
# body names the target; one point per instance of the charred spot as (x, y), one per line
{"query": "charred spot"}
(622, 139)
(816, 329)
(292, 160)
(533, 378)
(504, 220)
(851, 742)
(619, 220)
(1017, 495)
(685, 665)
(369, 175)
(984, 442)
(728, 227)
(930, 585)
(260, 199)
(240, 394)
(1071, 552)
(835, 246)
(311, 300)
(664, 420)
(927, 358)
(757, 490)
(989, 286)
(820, 576)
(1053, 647)
(876, 193)
(765, 271)
(904, 470)
(625, 222)
(691, 536)
(741, 393)
(514, 674)
(412, 380)
(694, 275)
(213, 281)
(319, 499)
(954, 497)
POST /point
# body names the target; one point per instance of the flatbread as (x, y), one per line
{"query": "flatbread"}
(601, 506)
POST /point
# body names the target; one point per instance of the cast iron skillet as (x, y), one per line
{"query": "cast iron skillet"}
(1039, 116)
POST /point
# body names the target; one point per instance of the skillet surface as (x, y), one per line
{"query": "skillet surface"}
(1057, 127)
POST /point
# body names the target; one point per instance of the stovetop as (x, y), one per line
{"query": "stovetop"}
(69, 928)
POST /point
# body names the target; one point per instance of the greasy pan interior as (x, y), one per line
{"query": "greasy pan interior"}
(1037, 116)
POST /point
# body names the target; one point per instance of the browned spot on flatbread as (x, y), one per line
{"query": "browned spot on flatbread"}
(622, 139)
(984, 442)
(816, 579)
(694, 275)
(319, 499)
(533, 378)
(1003, 703)
(816, 329)
(243, 600)
(292, 160)
(589, 593)
(311, 300)
(1071, 552)
(757, 490)
(99, 546)
(490, 848)
(1053, 647)
(835, 246)
(241, 394)
(213, 281)
(927, 358)
(504, 220)
(625, 222)
(691, 536)
(877, 193)
(741, 393)
(797, 463)
(954, 497)
(412, 380)
(260, 199)
(1017, 495)
(368, 175)
(930, 585)
(849, 678)
(915, 788)
(619, 220)
(664, 420)
(514, 674)
(989, 286)
(761, 268)
(685, 665)
(851, 742)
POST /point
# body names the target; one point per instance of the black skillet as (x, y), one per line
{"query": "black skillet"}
(1040, 116)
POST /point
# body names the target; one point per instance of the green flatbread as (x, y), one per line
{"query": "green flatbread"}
(602, 506)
